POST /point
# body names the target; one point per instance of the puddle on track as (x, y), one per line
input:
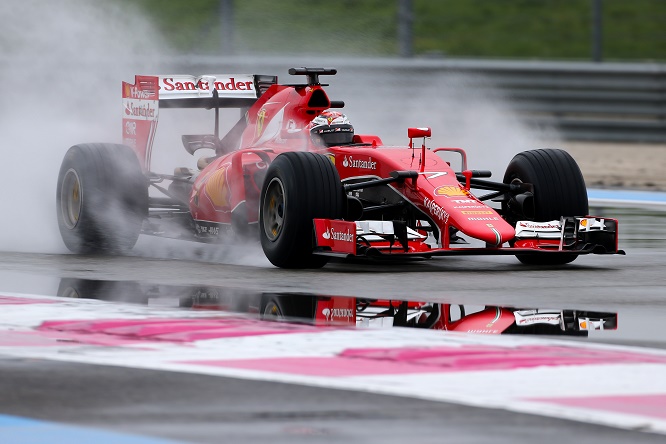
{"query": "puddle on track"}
(325, 310)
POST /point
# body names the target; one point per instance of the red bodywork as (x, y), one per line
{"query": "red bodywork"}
(274, 125)
(228, 189)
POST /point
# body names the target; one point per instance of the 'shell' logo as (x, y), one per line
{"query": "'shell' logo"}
(451, 191)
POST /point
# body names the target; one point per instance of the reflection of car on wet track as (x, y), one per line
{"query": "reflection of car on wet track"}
(324, 310)
(292, 172)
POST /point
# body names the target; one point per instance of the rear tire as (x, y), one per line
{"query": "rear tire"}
(102, 198)
(298, 188)
(116, 291)
(559, 190)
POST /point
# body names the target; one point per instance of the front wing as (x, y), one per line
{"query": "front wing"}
(394, 240)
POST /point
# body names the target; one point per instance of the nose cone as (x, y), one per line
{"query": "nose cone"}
(491, 228)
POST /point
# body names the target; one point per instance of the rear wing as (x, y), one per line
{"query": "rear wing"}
(232, 90)
(143, 99)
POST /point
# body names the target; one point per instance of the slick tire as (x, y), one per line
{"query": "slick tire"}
(559, 190)
(299, 187)
(102, 199)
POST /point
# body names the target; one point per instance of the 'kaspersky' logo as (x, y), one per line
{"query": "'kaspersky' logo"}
(436, 210)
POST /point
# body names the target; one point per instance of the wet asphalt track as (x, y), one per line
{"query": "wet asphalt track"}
(205, 409)
(198, 408)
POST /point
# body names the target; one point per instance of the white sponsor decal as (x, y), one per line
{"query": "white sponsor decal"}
(539, 319)
(330, 314)
(205, 229)
(140, 110)
(204, 83)
(436, 210)
(464, 201)
(483, 218)
(130, 128)
(367, 164)
(544, 230)
(346, 236)
(541, 226)
(137, 93)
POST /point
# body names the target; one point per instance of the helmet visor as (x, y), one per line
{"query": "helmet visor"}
(332, 135)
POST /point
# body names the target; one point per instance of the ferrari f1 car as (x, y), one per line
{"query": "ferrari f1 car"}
(292, 173)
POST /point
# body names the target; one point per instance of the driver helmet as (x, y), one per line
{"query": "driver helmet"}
(331, 128)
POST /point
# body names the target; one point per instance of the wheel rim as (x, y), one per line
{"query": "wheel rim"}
(70, 199)
(273, 209)
(272, 312)
(70, 292)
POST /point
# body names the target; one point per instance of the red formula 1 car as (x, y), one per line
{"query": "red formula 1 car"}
(292, 173)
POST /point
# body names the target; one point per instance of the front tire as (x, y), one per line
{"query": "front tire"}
(559, 190)
(298, 188)
(102, 198)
